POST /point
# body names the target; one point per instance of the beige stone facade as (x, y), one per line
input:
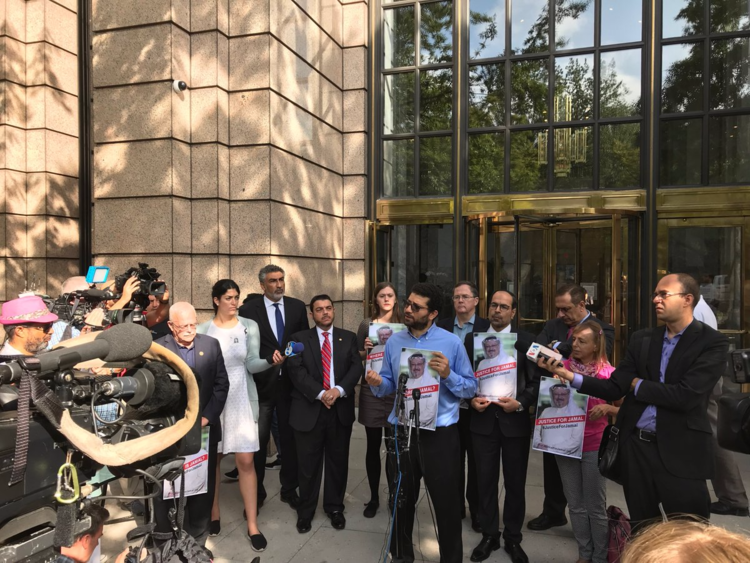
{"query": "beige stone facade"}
(261, 159)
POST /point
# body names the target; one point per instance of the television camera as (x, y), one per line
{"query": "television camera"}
(733, 424)
(47, 464)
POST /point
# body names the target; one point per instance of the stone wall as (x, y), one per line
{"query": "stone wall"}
(261, 160)
(38, 145)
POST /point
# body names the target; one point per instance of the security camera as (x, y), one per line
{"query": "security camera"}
(179, 86)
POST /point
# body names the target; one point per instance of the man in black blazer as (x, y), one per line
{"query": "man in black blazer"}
(498, 430)
(570, 302)
(666, 377)
(466, 322)
(203, 354)
(278, 318)
(323, 379)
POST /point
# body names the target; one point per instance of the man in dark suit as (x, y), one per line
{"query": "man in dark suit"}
(570, 302)
(278, 318)
(666, 377)
(322, 415)
(203, 354)
(466, 322)
(502, 429)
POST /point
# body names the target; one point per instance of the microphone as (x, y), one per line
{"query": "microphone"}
(294, 349)
(120, 343)
(537, 351)
(402, 379)
(94, 293)
(139, 387)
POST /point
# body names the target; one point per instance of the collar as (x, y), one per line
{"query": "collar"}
(270, 303)
(469, 322)
(666, 332)
(192, 345)
(9, 350)
(430, 332)
(584, 319)
(320, 332)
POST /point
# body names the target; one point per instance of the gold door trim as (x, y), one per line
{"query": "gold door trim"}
(591, 203)
(437, 210)
(726, 200)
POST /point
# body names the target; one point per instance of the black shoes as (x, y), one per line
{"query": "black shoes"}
(485, 548)
(214, 528)
(371, 509)
(722, 509)
(257, 541)
(292, 499)
(516, 552)
(337, 520)
(304, 525)
(274, 464)
(544, 522)
(234, 474)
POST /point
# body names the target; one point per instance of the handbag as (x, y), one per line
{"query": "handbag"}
(609, 464)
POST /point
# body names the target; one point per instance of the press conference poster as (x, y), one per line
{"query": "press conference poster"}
(196, 472)
(379, 334)
(495, 365)
(422, 377)
(560, 419)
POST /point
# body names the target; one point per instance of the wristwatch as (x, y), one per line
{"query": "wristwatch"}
(520, 407)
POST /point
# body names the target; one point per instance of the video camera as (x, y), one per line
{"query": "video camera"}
(733, 424)
(67, 423)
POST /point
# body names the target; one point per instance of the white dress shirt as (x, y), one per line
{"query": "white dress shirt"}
(506, 330)
(704, 314)
(332, 376)
(271, 311)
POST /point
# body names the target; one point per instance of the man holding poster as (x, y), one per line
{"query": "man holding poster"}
(427, 381)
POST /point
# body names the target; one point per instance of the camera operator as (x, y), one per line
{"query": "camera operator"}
(86, 542)
(157, 314)
(28, 326)
(63, 329)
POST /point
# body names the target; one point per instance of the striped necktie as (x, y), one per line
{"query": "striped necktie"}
(326, 353)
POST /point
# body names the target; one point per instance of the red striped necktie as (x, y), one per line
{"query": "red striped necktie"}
(326, 352)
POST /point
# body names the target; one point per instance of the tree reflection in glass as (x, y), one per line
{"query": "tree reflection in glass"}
(729, 149)
(435, 99)
(682, 77)
(622, 21)
(530, 91)
(486, 28)
(680, 152)
(398, 37)
(730, 73)
(574, 24)
(398, 168)
(530, 27)
(435, 166)
(574, 88)
(573, 155)
(730, 15)
(620, 155)
(398, 103)
(486, 163)
(436, 33)
(620, 83)
(486, 95)
(528, 161)
(681, 18)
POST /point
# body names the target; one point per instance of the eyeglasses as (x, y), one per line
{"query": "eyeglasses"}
(182, 328)
(46, 327)
(502, 307)
(414, 307)
(664, 295)
(463, 297)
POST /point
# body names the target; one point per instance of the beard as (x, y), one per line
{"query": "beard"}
(417, 325)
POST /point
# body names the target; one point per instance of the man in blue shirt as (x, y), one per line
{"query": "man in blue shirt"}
(433, 454)
(666, 377)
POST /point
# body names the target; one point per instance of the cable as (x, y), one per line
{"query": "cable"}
(99, 419)
(392, 515)
(144, 474)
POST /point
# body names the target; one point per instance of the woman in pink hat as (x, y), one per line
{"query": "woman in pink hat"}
(28, 326)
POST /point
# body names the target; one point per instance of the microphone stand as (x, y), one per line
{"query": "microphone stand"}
(396, 446)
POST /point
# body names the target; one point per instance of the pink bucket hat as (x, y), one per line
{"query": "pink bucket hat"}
(29, 309)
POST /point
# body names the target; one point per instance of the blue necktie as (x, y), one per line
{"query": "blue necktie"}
(279, 324)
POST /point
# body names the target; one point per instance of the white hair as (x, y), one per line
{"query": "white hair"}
(74, 284)
(180, 307)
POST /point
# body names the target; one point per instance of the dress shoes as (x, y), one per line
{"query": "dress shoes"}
(337, 520)
(722, 509)
(371, 509)
(234, 474)
(544, 522)
(485, 548)
(292, 499)
(214, 528)
(304, 525)
(516, 552)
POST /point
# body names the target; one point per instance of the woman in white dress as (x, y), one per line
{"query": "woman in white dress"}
(240, 344)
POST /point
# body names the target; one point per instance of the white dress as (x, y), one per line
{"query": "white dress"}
(239, 430)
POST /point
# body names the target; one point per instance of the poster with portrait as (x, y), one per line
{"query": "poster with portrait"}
(423, 377)
(195, 472)
(379, 334)
(495, 365)
(560, 419)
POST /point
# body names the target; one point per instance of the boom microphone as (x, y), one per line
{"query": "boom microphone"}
(294, 349)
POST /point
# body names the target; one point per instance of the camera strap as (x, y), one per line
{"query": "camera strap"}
(49, 405)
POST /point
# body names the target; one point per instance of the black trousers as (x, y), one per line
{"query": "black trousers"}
(289, 473)
(647, 483)
(197, 508)
(468, 478)
(330, 440)
(514, 452)
(554, 497)
(265, 415)
(438, 464)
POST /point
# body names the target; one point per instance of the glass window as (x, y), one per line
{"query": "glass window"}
(530, 26)
(435, 159)
(574, 88)
(729, 149)
(398, 37)
(680, 152)
(487, 95)
(574, 25)
(486, 29)
(486, 163)
(622, 21)
(398, 168)
(528, 161)
(435, 99)
(620, 83)
(436, 32)
(682, 77)
(574, 158)
(620, 155)
(730, 15)
(398, 103)
(681, 18)
(729, 86)
(530, 91)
